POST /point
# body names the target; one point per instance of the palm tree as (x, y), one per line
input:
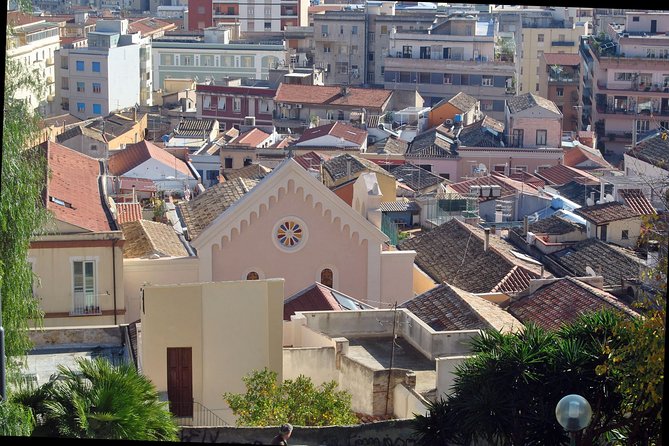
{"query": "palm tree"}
(101, 401)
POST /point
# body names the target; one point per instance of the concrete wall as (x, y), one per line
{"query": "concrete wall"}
(138, 272)
(393, 432)
(407, 402)
(358, 380)
(445, 368)
(80, 336)
(396, 277)
(421, 281)
(316, 363)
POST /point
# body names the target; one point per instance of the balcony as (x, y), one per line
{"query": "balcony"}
(49, 61)
(562, 43)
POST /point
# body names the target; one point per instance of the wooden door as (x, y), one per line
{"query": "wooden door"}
(180, 381)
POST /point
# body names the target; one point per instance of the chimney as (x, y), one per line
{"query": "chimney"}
(134, 114)
(526, 224)
(134, 197)
(493, 229)
(486, 242)
(348, 168)
(592, 196)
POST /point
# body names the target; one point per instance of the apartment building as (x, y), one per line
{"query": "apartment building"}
(102, 77)
(213, 56)
(558, 82)
(456, 54)
(254, 17)
(625, 79)
(33, 42)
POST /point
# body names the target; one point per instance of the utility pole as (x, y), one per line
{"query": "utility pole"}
(392, 356)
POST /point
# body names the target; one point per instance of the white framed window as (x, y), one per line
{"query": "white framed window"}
(486, 81)
(206, 102)
(263, 106)
(221, 102)
(541, 137)
(559, 91)
(236, 105)
(448, 78)
(540, 37)
(642, 125)
(84, 289)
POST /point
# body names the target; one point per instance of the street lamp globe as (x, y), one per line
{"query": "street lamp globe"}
(573, 412)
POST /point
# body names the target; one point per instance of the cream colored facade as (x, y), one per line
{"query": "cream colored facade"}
(621, 232)
(52, 259)
(535, 42)
(233, 328)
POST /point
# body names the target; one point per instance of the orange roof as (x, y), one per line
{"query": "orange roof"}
(336, 129)
(148, 26)
(561, 174)
(135, 154)
(73, 192)
(126, 212)
(562, 59)
(320, 95)
(17, 18)
(576, 155)
(252, 138)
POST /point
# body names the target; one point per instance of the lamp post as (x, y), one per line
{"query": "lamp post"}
(574, 413)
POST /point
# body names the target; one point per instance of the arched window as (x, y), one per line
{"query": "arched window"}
(326, 277)
(252, 276)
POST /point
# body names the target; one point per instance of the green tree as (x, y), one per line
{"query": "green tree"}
(297, 401)
(102, 401)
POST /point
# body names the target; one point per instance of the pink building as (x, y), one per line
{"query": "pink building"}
(532, 122)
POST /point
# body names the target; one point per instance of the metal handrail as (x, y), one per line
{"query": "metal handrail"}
(202, 416)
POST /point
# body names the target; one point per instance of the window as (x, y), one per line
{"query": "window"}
(340, 115)
(327, 277)
(81, 87)
(268, 11)
(187, 60)
(354, 30)
(228, 163)
(621, 76)
(251, 11)
(268, 25)
(221, 103)
(517, 138)
(625, 235)
(561, 37)
(252, 276)
(327, 48)
(448, 78)
(97, 109)
(231, 10)
(96, 87)
(80, 65)
(236, 105)
(81, 107)
(95, 66)
(540, 37)
(635, 18)
(446, 52)
(423, 78)
(324, 29)
(94, 147)
(536, 87)
(486, 81)
(406, 52)
(206, 102)
(384, 29)
(559, 92)
(85, 296)
(248, 161)
(207, 61)
(541, 137)
(538, 71)
(370, 56)
(642, 125)
(424, 52)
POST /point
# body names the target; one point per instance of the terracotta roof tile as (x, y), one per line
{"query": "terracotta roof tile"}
(555, 225)
(507, 185)
(653, 149)
(337, 167)
(636, 200)
(392, 144)
(199, 212)
(250, 172)
(127, 212)
(140, 184)
(560, 175)
(416, 177)
(195, 127)
(606, 212)
(73, 191)
(517, 280)
(145, 239)
(319, 297)
(578, 154)
(311, 160)
(399, 206)
(562, 301)
(453, 253)
(605, 260)
(252, 138)
(370, 98)
(133, 155)
(338, 130)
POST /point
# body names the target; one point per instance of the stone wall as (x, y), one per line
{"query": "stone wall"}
(108, 335)
(382, 433)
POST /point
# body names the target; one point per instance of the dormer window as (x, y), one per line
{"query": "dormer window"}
(60, 202)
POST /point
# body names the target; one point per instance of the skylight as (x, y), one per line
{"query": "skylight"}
(60, 202)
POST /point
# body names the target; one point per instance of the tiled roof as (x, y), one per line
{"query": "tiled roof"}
(399, 206)
(369, 98)
(285, 142)
(17, 18)
(126, 212)
(203, 209)
(605, 260)
(477, 134)
(318, 297)
(78, 131)
(636, 200)
(141, 184)
(391, 145)
(250, 172)
(432, 143)
(554, 225)
(337, 166)
(579, 154)
(606, 212)
(578, 193)
(444, 310)
(561, 174)
(60, 120)
(416, 177)
(507, 185)
(562, 301)
(528, 178)
(195, 127)
(311, 160)
(529, 100)
(148, 26)
(562, 59)
(144, 239)
(517, 280)
(338, 130)
(453, 253)
(463, 102)
(73, 192)
(133, 155)
(252, 138)
(653, 150)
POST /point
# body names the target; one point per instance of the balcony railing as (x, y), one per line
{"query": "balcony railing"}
(199, 415)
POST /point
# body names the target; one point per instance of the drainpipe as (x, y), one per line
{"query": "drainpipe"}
(114, 275)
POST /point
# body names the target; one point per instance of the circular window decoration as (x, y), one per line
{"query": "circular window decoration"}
(290, 234)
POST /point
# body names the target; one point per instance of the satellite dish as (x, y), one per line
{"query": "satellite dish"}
(589, 201)
(608, 198)
(589, 271)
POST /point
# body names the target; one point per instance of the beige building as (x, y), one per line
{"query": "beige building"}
(78, 257)
(199, 340)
